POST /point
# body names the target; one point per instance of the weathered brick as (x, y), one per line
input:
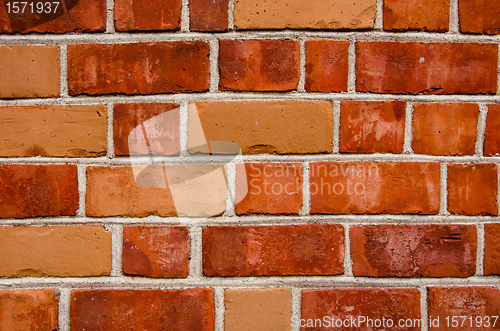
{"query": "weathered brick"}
(479, 16)
(259, 65)
(372, 126)
(491, 260)
(38, 190)
(152, 310)
(268, 127)
(472, 189)
(307, 249)
(296, 14)
(413, 250)
(273, 188)
(419, 15)
(378, 305)
(128, 116)
(156, 251)
(29, 71)
(427, 68)
(492, 133)
(77, 131)
(327, 66)
(208, 15)
(445, 128)
(75, 16)
(29, 310)
(61, 251)
(250, 309)
(473, 301)
(374, 188)
(141, 15)
(140, 68)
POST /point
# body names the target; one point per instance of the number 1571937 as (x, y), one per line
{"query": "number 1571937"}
(31, 7)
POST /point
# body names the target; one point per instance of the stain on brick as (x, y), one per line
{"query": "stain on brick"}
(491, 260)
(142, 15)
(327, 66)
(479, 16)
(418, 15)
(208, 15)
(492, 133)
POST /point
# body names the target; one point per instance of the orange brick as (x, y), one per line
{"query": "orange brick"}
(491, 260)
(479, 16)
(419, 15)
(492, 133)
(327, 66)
(208, 15)
(141, 15)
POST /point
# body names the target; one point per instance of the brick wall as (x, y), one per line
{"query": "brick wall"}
(367, 185)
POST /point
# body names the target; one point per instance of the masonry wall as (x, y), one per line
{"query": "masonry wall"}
(369, 133)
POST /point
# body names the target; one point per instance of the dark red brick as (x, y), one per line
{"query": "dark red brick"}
(208, 15)
(491, 262)
(479, 16)
(143, 15)
(327, 66)
(419, 15)
(492, 133)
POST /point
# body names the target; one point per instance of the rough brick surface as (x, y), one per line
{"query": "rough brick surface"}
(372, 126)
(173, 310)
(257, 309)
(265, 127)
(273, 188)
(472, 189)
(128, 116)
(491, 249)
(29, 71)
(374, 188)
(445, 128)
(208, 15)
(114, 192)
(61, 251)
(141, 15)
(479, 16)
(419, 15)
(259, 65)
(29, 310)
(343, 304)
(308, 249)
(141, 68)
(297, 14)
(414, 250)
(38, 190)
(427, 68)
(78, 131)
(76, 18)
(492, 133)
(327, 66)
(463, 301)
(156, 251)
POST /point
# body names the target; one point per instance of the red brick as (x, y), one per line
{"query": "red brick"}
(29, 310)
(473, 301)
(141, 15)
(327, 66)
(445, 128)
(128, 116)
(427, 68)
(307, 249)
(141, 68)
(348, 304)
(208, 15)
(273, 188)
(77, 18)
(479, 16)
(419, 15)
(152, 310)
(491, 260)
(38, 190)
(156, 251)
(259, 65)
(472, 189)
(492, 133)
(372, 126)
(413, 250)
(374, 188)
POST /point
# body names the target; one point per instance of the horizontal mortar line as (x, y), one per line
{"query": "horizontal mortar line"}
(258, 220)
(303, 282)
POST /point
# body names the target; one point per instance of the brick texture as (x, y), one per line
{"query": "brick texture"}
(472, 189)
(308, 249)
(38, 190)
(426, 68)
(479, 16)
(492, 133)
(414, 250)
(445, 128)
(374, 188)
(491, 249)
(208, 15)
(327, 65)
(141, 68)
(419, 15)
(141, 15)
